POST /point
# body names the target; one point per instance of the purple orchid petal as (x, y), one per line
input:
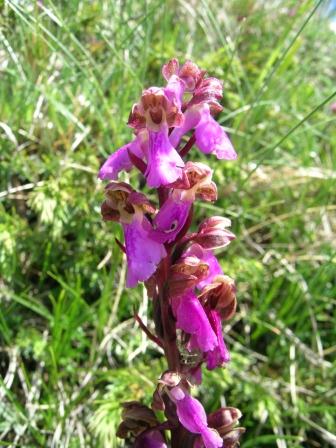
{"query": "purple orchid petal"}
(150, 439)
(192, 416)
(170, 219)
(192, 118)
(175, 89)
(143, 254)
(209, 258)
(164, 163)
(120, 161)
(211, 438)
(192, 319)
(190, 411)
(220, 354)
(211, 137)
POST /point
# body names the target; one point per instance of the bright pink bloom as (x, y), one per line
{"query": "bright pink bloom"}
(211, 137)
(120, 161)
(143, 254)
(164, 165)
(192, 416)
(192, 118)
(192, 319)
(220, 354)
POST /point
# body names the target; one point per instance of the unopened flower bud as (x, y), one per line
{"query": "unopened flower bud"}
(171, 68)
(213, 233)
(210, 91)
(189, 73)
(220, 295)
(207, 192)
(224, 419)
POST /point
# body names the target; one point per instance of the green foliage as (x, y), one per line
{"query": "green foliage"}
(70, 350)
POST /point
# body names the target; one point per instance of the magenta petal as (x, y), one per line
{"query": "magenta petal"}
(211, 438)
(192, 416)
(143, 254)
(211, 138)
(170, 219)
(175, 89)
(220, 354)
(191, 119)
(164, 163)
(192, 319)
(120, 161)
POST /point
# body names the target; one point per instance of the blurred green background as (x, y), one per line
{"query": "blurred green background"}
(70, 350)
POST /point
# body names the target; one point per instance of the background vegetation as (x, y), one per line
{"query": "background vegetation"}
(70, 350)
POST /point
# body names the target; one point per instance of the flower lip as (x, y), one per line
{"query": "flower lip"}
(220, 355)
(122, 159)
(164, 163)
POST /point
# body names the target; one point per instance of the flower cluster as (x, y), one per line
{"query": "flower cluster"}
(191, 294)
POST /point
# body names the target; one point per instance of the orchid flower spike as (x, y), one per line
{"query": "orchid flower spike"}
(190, 294)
